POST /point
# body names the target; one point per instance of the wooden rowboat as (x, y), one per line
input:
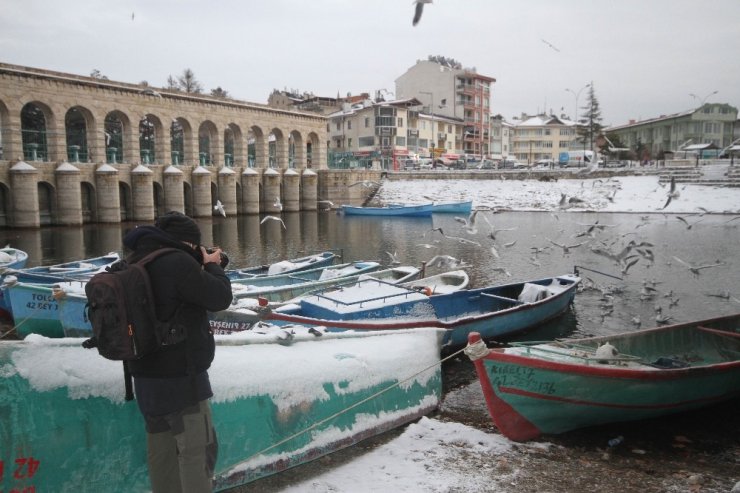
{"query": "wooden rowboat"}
(424, 210)
(563, 385)
(322, 259)
(65, 424)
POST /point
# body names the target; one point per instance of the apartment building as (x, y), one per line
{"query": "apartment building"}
(712, 123)
(449, 90)
(383, 134)
(501, 132)
(541, 137)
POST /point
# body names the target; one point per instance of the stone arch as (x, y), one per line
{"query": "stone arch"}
(312, 149)
(117, 128)
(158, 199)
(126, 201)
(150, 134)
(78, 123)
(181, 141)
(47, 203)
(88, 203)
(5, 205)
(296, 152)
(256, 148)
(278, 149)
(233, 145)
(4, 127)
(36, 119)
(187, 195)
(207, 143)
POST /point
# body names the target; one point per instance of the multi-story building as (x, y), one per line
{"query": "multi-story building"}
(500, 132)
(292, 100)
(542, 137)
(385, 133)
(448, 89)
(712, 123)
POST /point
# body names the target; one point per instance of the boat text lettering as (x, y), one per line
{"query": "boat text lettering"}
(521, 378)
(25, 468)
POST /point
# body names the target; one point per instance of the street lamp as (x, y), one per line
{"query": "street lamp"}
(577, 95)
(701, 131)
(431, 113)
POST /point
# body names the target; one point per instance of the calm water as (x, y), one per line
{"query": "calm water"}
(247, 242)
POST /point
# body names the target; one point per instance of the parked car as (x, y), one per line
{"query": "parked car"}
(510, 164)
(486, 164)
(410, 164)
(544, 163)
(425, 164)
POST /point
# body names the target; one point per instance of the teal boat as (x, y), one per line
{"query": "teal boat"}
(322, 259)
(35, 307)
(554, 387)
(66, 427)
(424, 210)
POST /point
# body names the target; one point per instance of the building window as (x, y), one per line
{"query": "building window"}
(367, 122)
(327, 127)
(401, 141)
(349, 143)
(400, 122)
(423, 125)
(423, 142)
(349, 125)
(366, 141)
(339, 126)
(563, 144)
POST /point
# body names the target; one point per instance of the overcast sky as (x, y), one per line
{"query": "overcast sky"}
(644, 56)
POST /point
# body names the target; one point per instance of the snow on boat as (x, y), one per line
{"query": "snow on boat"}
(62, 272)
(310, 275)
(563, 385)
(285, 266)
(494, 311)
(424, 210)
(65, 425)
(12, 258)
(442, 283)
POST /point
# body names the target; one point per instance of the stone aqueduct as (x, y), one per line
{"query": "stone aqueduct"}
(80, 149)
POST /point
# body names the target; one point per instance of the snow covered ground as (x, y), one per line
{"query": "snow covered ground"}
(640, 194)
(436, 456)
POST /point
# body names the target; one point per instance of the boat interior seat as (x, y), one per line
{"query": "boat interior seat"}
(532, 293)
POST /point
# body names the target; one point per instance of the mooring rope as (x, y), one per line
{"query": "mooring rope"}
(339, 413)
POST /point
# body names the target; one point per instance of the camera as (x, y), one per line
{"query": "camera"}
(224, 258)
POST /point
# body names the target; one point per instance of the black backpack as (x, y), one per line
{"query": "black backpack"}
(121, 310)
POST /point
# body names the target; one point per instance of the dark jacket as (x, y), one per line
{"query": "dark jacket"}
(187, 290)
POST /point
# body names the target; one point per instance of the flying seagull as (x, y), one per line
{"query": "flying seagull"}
(278, 205)
(273, 218)
(418, 10)
(550, 45)
(672, 193)
(219, 207)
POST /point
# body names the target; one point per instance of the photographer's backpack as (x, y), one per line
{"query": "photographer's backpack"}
(121, 310)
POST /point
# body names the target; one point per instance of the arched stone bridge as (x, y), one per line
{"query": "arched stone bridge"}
(80, 149)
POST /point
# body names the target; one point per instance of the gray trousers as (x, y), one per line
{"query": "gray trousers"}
(182, 450)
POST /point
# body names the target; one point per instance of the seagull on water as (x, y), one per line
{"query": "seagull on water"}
(418, 10)
(277, 204)
(695, 269)
(219, 207)
(273, 218)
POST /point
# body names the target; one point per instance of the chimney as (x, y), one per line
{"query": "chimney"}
(632, 122)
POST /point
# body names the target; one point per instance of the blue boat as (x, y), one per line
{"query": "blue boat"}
(303, 276)
(64, 414)
(75, 270)
(35, 308)
(494, 311)
(424, 210)
(285, 266)
(10, 258)
(463, 207)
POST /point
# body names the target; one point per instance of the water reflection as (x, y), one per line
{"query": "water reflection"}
(248, 242)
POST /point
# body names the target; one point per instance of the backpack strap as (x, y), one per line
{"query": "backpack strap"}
(128, 382)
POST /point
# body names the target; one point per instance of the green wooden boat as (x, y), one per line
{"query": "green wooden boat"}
(563, 385)
(65, 425)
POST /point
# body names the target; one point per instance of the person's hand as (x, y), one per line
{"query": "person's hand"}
(214, 256)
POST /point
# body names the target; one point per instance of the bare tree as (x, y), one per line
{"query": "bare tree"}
(172, 84)
(189, 83)
(220, 93)
(96, 74)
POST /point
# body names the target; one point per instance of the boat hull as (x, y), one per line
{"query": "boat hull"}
(323, 259)
(35, 309)
(528, 396)
(90, 440)
(459, 313)
(424, 210)
(453, 207)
